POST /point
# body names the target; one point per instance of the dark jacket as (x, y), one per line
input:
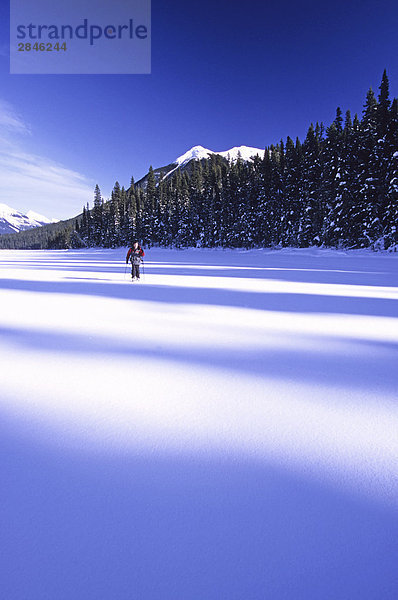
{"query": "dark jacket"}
(134, 252)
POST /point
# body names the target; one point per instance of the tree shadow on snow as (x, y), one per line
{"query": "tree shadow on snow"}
(350, 363)
(265, 301)
(81, 525)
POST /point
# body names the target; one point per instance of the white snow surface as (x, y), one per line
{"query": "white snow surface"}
(12, 220)
(225, 428)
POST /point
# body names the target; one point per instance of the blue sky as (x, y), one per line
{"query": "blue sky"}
(223, 74)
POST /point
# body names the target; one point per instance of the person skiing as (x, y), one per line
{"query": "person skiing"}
(135, 254)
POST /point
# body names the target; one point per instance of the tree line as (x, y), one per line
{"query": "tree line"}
(337, 188)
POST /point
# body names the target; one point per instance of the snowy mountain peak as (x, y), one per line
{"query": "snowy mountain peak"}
(12, 220)
(200, 153)
(195, 153)
(246, 153)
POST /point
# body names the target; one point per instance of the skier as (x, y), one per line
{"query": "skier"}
(135, 255)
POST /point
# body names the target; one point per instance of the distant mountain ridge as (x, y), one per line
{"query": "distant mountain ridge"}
(13, 220)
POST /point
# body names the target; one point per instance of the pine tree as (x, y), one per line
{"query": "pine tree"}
(131, 212)
(262, 211)
(367, 219)
(331, 167)
(114, 216)
(292, 192)
(311, 215)
(195, 204)
(390, 217)
(97, 217)
(89, 230)
(84, 222)
(148, 208)
(383, 108)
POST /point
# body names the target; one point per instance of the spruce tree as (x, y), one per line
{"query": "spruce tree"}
(148, 208)
(332, 173)
(311, 215)
(383, 108)
(97, 217)
(292, 193)
(390, 216)
(367, 218)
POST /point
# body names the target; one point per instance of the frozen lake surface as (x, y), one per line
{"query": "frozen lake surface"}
(227, 428)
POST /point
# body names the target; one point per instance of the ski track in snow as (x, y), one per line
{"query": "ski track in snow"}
(284, 360)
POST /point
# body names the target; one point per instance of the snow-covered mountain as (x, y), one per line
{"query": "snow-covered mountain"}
(12, 220)
(200, 153)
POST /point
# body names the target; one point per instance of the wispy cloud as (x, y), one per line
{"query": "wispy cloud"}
(32, 181)
(10, 121)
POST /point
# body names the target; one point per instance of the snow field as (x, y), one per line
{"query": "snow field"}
(105, 367)
(225, 429)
